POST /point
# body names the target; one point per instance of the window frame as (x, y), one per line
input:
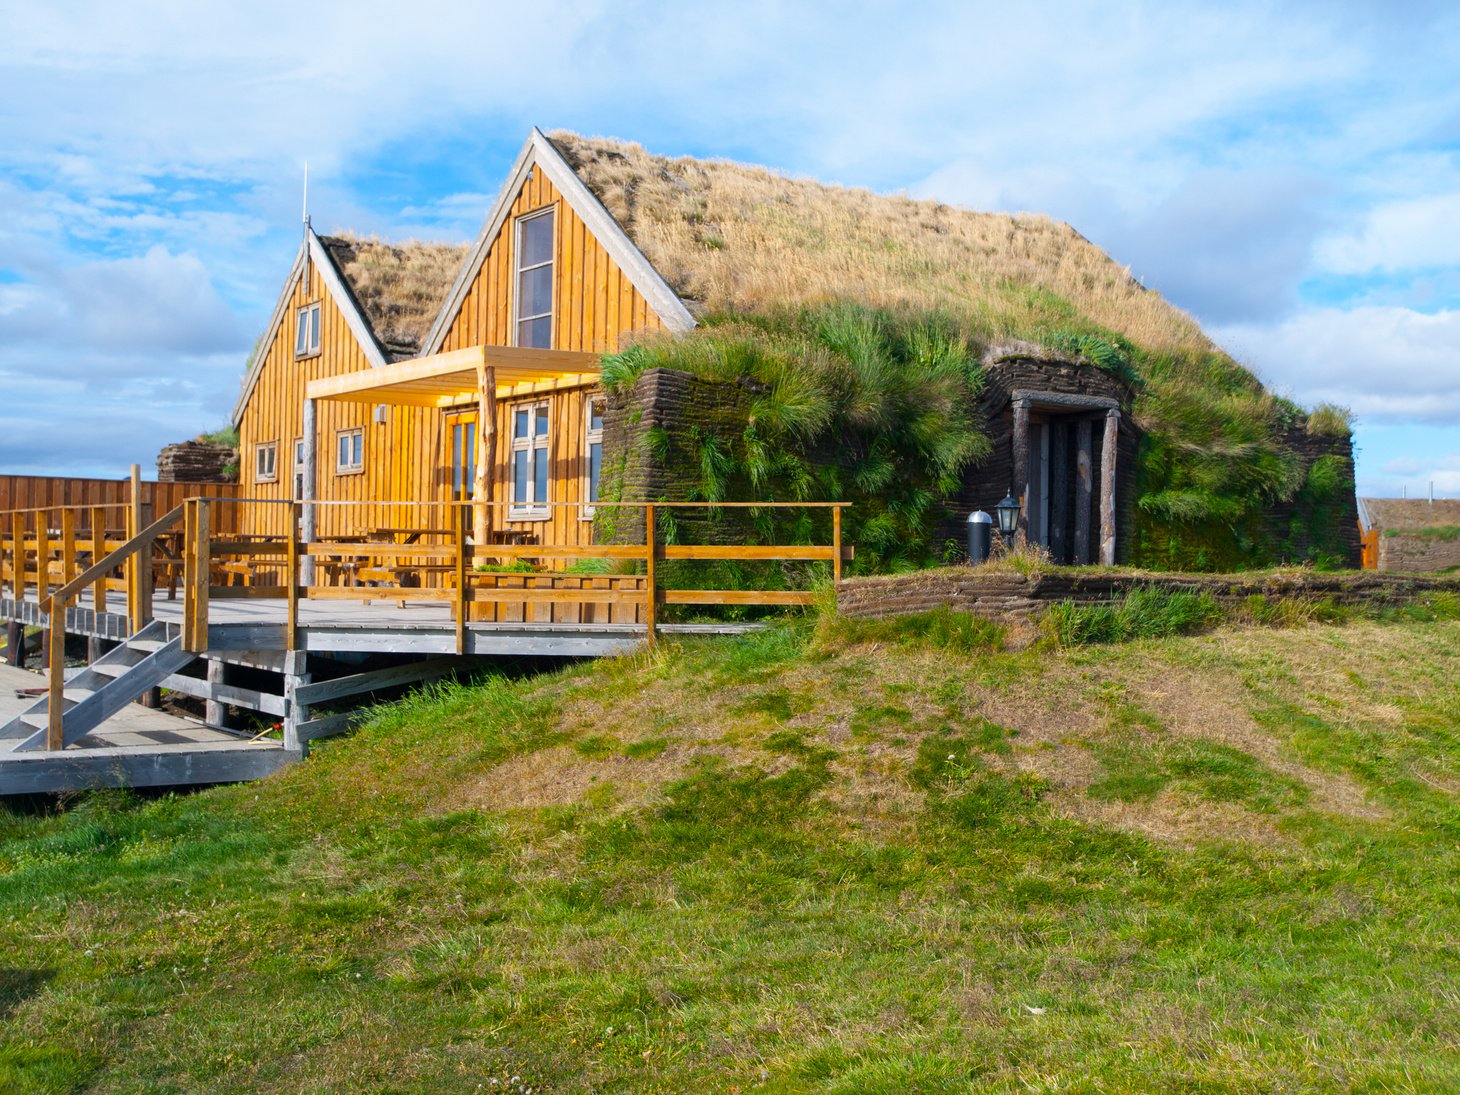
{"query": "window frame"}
(588, 507)
(307, 331)
(341, 467)
(538, 447)
(260, 450)
(518, 318)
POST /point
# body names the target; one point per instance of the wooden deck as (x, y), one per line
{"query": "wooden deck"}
(426, 597)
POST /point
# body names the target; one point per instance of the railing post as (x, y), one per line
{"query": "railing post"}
(836, 548)
(291, 624)
(98, 552)
(42, 556)
(17, 575)
(463, 594)
(56, 667)
(651, 595)
(68, 546)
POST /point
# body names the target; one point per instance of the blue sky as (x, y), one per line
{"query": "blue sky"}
(1290, 174)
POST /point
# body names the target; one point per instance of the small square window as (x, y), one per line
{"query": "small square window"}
(350, 451)
(266, 462)
(306, 331)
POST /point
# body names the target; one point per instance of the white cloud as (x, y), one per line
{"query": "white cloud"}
(1418, 233)
(1387, 364)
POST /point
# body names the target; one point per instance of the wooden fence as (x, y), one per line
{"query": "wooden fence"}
(33, 492)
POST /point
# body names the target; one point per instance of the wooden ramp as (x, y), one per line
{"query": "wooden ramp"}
(135, 747)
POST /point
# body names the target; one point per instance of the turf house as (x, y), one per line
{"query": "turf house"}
(633, 327)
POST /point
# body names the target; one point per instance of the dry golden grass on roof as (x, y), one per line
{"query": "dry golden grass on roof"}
(399, 286)
(730, 237)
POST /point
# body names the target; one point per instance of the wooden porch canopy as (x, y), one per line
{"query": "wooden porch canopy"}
(461, 376)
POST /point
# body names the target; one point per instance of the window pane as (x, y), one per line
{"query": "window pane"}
(519, 424)
(314, 328)
(595, 416)
(519, 477)
(456, 454)
(536, 333)
(357, 449)
(542, 421)
(595, 468)
(540, 472)
(537, 240)
(342, 456)
(301, 333)
(535, 292)
(470, 454)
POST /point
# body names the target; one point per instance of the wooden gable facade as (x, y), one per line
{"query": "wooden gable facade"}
(360, 453)
(551, 279)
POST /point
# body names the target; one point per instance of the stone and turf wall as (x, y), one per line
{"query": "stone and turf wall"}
(1419, 550)
(1009, 596)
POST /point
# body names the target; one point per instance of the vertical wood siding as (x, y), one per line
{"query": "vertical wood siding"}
(595, 305)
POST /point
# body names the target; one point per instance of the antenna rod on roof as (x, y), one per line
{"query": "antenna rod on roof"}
(306, 197)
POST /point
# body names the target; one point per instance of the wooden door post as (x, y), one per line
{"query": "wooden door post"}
(836, 549)
(1021, 463)
(1107, 487)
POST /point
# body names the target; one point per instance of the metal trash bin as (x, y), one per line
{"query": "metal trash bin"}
(980, 536)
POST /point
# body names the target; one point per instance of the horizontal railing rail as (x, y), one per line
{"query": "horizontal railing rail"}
(435, 559)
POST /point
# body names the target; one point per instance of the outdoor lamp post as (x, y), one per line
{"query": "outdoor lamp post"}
(1008, 514)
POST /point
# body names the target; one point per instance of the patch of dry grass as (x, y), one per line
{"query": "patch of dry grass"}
(732, 237)
(399, 286)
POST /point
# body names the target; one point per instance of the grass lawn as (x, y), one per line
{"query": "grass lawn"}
(878, 858)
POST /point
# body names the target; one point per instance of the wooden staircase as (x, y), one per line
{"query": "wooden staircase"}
(103, 688)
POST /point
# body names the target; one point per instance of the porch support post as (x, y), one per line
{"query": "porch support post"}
(1021, 464)
(481, 525)
(1059, 490)
(1083, 491)
(309, 530)
(1107, 487)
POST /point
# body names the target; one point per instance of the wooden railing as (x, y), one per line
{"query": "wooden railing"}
(437, 561)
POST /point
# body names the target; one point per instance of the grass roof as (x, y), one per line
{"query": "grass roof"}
(399, 286)
(736, 238)
(1412, 513)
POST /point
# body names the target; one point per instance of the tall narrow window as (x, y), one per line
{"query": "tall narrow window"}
(350, 451)
(265, 462)
(529, 462)
(306, 331)
(535, 280)
(592, 453)
(298, 468)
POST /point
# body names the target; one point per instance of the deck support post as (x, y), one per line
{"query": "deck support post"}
(214, 713)
(98, 551)
(307, 527)
(296, 675)
(15, 643)
(1021, 464)
(1107, 487)
(1083, 491)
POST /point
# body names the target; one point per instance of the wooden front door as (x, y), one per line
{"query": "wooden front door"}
(461, 453)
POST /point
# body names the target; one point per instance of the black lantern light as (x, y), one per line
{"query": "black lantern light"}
(1008, 514)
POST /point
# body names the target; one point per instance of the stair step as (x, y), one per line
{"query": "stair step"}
(146, 646)
(115, 669)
